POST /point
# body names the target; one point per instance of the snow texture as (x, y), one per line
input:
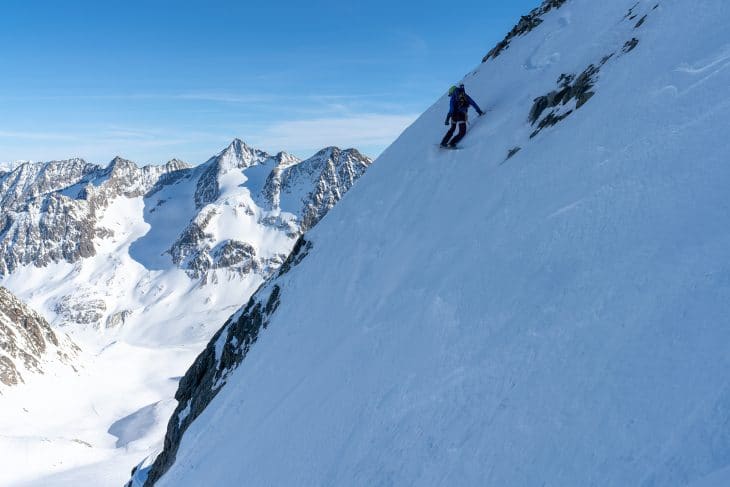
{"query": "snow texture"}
(558, 318)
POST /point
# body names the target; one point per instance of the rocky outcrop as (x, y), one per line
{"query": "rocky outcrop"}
(316, 184)
(49, 211)
(190, 249)
(526, 24)
(51, 228)
(237, 155)
(223, 354)
(295, 196)
(28, 345)
(81, 308)
(574, 91)
(572, 88)
(236, 215)
(336, 170)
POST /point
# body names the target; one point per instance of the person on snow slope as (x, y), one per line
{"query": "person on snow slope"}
(459, 104)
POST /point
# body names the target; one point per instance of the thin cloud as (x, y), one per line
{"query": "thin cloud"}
(223, 97)
(9, 134)
(354, 131)
(370, 132)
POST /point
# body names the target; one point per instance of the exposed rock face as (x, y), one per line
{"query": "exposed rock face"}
(78, 308)
(48, 211)
(294, 197)
(331, 173)
(235, 216)
(27, 342)
(574, 91)
(524, 26)
(238, 155)
(571, 88)
(190, 249)
(224, 353)
(118, 318)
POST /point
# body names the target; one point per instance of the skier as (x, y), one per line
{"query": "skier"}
(458, 110)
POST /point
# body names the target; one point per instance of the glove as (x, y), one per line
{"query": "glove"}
(481, 113)
(448, 119)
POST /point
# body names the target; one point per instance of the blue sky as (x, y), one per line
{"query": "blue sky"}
(161, 79)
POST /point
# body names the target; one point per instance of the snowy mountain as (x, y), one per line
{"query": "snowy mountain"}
(547, 306)
(233, 217)
(140, 265)
(28, 345)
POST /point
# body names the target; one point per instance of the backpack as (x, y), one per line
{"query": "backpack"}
(462, 101)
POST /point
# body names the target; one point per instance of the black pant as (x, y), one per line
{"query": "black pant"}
(456, 119)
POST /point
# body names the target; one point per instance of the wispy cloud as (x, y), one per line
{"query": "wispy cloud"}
(363, 130)
(209, 96)
(10, 134)
(368, 121)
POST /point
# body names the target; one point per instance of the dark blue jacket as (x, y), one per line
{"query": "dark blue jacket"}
(452, 103)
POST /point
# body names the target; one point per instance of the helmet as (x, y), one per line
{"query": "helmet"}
(452, 90)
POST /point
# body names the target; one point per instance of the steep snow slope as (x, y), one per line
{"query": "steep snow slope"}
(558, 319)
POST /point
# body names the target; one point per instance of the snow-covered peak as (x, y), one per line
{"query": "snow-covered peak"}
(284, 160)
(120, 164)
(176, 165)
(239, 155)
(312, 187)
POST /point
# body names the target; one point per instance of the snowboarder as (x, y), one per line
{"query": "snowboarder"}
(458, 111)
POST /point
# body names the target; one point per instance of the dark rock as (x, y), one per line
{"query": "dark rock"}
(79, 309)
(630, 45)
(27, 340)
(48, 211)
(526, 24)
(570, 87)
(224, 353)
(630, 15)
(233, 253)
(319, 183)
(512, 152)
(237, 155)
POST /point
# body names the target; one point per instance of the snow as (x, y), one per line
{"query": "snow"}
(75, 426)
(9, 166)
(92, 427)
(165, 212)
(140, 319)
(558, 319)
(184, 413)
